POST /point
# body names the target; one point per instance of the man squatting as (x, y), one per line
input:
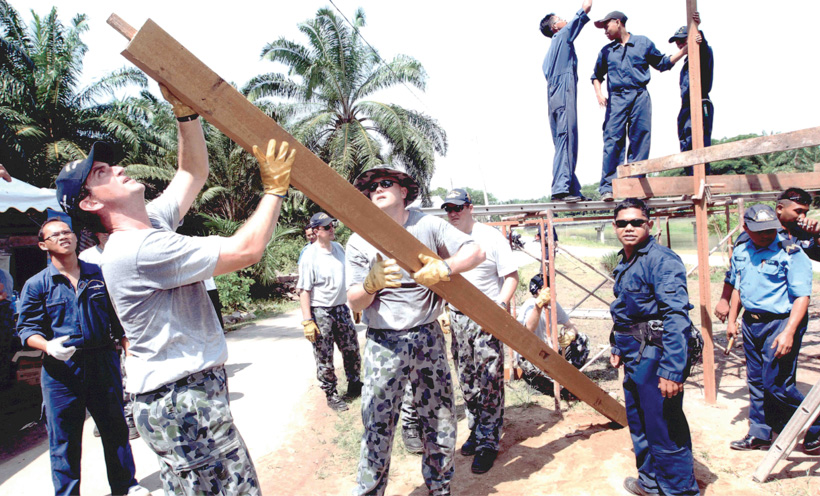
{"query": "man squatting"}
(404, 340)
(177, 348)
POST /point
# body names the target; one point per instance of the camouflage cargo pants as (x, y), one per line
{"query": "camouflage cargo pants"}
(336, 327)
(391, 360)
(479, 359)
(189, 426)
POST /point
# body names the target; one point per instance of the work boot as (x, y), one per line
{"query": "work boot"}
(468, 448)
(484, 460)
(811, 446)
(335, 403)
(133, 433)
(96, 431)
(354, 389)
(607, 197)
(750, 443)
(412, 441)
(633, 486)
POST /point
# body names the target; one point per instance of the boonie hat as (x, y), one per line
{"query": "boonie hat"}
(457, 196)
(72, 177)
(680, 34)
(320, 219)
(404, 179)
(615, 14)
(760, 217)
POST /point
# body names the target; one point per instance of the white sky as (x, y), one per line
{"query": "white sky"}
(484, 60)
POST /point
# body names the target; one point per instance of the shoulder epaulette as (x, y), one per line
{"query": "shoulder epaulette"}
(789, 246)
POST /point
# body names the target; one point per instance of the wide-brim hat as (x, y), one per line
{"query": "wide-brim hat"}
(405, 180)
(72, 177)
(615, 14)
(680, 34)
(760, 217)
(320, 219)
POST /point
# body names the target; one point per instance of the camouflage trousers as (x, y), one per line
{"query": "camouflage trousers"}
(479, 359)
(391, 360)
(337, 327)
(189, 426)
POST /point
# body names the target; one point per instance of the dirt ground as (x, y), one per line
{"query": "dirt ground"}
(574, 451)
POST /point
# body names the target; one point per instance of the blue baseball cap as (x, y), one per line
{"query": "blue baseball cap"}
(680, 34)
(760, 217)
(320, 219)
(457, 196)
(72, 177)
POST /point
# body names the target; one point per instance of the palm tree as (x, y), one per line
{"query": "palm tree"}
(46, 118)
(325, 91)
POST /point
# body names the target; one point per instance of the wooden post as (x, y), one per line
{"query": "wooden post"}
(668, 235)
(729, 229)
(163, 59)
(553, 316)
(701, 207)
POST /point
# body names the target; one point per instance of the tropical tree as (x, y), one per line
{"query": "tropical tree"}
(46, 118)
(327, 92)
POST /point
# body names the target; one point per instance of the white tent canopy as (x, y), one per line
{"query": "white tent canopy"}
(22, 196)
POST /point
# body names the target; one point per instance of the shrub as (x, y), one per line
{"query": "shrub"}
(234, 291)
(609, 261)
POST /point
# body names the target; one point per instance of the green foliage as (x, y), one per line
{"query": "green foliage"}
(609, 261)
(234, 291)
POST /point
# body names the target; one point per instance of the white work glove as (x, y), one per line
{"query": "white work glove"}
(56, 349)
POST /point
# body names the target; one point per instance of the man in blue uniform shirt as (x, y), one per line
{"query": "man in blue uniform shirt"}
(707, 66)
(560, 69)
(625, 64)
(651, 329)
(65, 312)
(772, 279)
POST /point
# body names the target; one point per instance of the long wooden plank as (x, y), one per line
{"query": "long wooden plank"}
(165, 60)
(736, 149)
(750, 183)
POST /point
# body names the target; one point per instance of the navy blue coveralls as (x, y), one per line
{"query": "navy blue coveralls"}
(560, 69)
(90, 379)
(652, 286)
(628, 108)
(770, 279)
(707, 66)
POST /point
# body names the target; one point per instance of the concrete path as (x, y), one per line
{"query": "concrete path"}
(271, 368)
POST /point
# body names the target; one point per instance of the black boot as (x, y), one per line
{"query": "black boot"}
(412, 441)
(335, 403)
(354, 389)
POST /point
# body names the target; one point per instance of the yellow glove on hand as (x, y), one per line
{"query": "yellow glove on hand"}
(357, 317)
(179, 108)
(434, 271)
(275, 170)
(444, 322)
(384, 274)
(543, 298)
(566, 338)
(311, 330)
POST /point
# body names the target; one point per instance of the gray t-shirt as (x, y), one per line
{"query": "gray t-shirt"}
(155, 283)
(488, 276)
(411, 304)
(322, 273)
(541, 330)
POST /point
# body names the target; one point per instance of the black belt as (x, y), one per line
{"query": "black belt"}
(187, 380)
(757, 318)
(647, 332)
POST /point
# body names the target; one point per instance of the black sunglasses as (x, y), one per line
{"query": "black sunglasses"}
(384, 183)
(453, 208)
(631, 222)
(329, 226)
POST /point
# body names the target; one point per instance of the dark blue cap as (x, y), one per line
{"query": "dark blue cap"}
(615, 14)
(72, 177)
(680, 34)
(457, 196)
(760, 217)
(320, 219)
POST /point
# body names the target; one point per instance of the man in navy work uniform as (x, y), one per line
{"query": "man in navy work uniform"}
(65, 312)
(561, 70)
(326, 316)
(707, 67)
(791, 209)
(625, 65)
(176, 366)
(404, 340)
(772, 280)
(651, 329)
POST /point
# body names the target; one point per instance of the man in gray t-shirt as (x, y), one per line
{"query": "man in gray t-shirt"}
(326, 316)
(176, 349)
(404, 341)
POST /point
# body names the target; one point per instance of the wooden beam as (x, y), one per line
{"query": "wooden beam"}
(736, 149)
(165, 60)
(648, 187)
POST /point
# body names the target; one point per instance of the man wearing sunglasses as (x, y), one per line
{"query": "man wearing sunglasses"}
(324, 310)
(478, 355)
(65, 312)
(177, 353)
(404, 341)
(650, 333)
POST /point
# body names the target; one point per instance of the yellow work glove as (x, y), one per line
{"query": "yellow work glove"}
(179, 108)
(434, 271)
(357, 317)
(444, 322)
(543, 298)
(311, 330)
(383, 274)
(567, 337)
(275, 170)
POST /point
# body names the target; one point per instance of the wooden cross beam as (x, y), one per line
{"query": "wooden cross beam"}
(648, 187)
(162, 58)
